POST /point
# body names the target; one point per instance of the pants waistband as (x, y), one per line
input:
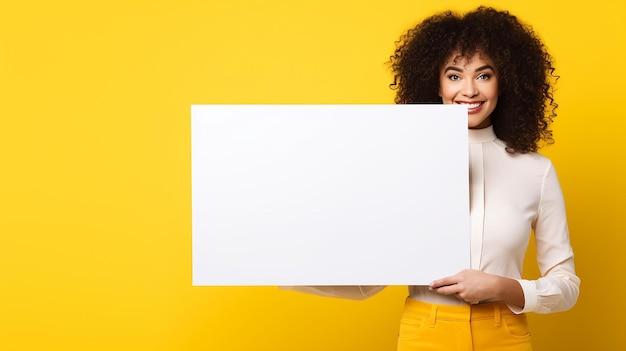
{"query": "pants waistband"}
(489, 310)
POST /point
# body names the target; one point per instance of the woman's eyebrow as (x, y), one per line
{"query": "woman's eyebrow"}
(481, 68)
(485, 67)
(452, 68)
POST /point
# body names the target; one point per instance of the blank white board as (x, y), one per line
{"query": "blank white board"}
(328, 194)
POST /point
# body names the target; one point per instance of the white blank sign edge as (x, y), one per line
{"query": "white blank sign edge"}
(328, 194)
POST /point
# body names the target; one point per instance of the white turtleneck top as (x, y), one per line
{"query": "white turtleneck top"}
(511, 195)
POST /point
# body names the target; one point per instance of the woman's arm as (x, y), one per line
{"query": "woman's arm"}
(474, 286)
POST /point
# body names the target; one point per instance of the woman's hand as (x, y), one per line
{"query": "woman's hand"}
(474, 286)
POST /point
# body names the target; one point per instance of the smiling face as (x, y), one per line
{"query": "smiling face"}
(473, 83)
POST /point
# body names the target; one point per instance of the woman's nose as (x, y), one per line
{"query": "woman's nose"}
(469, 88)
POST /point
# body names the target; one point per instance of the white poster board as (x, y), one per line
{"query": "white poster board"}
(329, 194)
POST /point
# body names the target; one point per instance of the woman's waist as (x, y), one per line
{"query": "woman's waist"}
(424, 294)
(462, 312)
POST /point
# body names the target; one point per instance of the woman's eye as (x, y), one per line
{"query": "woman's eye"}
(483, 76)
(454, 77)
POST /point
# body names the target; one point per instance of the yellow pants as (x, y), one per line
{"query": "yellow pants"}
(488, 326)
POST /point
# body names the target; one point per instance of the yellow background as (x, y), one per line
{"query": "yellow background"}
(95, 230)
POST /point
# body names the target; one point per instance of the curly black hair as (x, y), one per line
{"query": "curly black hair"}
(526, 105)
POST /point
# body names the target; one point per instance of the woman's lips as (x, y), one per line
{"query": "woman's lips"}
(472, 107)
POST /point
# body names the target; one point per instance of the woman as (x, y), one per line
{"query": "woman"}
(497, 67)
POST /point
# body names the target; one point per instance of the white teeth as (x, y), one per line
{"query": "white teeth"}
(474, 105)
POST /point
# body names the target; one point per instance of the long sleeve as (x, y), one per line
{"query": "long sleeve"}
(558, 288)
(351, 292)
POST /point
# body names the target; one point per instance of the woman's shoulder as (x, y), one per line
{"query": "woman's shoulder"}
(528, 159)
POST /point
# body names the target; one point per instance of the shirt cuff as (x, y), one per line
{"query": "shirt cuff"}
(530, 297)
